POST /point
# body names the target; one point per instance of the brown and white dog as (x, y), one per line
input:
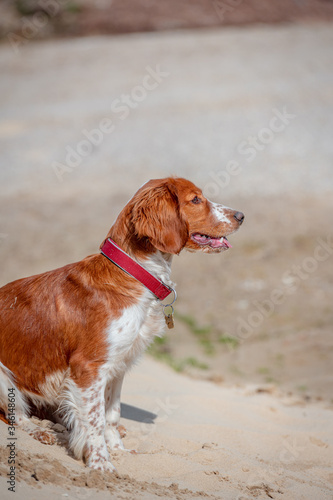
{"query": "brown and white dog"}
(68, 336)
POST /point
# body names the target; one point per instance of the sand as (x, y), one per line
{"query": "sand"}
(193, 439)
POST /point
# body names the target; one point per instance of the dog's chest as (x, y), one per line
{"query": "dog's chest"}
(130, 334)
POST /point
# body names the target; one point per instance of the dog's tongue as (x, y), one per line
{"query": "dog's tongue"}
(219, 243)
(201, 239)
(212, 242)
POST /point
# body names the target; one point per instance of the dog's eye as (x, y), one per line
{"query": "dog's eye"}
(196, 200)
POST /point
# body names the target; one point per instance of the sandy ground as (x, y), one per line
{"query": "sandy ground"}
(260, 424)
(194, 440)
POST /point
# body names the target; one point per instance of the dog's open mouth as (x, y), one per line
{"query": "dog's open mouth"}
(204, 240)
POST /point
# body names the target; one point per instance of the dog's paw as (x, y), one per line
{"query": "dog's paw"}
(99, 459)
(122, 431)
(100, 464)
(113, 439)
(122, 448)
(43, 436)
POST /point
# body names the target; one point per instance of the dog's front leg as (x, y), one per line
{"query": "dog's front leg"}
(86, 417)
(112, 412)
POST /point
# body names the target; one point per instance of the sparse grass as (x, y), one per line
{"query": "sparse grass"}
(302, 388)
(203, 333)
(263, 370)
(232, 342)
(73, 7)
(161, 351)
(271, 380)
(208, 346)
(193, 326)
(268, 378)
(196, 363)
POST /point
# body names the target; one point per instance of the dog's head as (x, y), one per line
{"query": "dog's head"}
(173, 214)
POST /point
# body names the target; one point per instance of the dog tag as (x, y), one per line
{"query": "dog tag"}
(168, 314)
(169, 321)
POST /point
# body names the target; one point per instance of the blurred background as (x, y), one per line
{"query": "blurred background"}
(237, 95)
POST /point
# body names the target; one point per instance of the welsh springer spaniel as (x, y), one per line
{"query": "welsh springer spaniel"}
(68, 336)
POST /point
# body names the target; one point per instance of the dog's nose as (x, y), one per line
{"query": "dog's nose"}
(239, 216)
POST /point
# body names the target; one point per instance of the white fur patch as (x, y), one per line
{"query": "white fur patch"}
(136, 328)
(219, 211)
(130, 335)
(52, 388)
(7, 382)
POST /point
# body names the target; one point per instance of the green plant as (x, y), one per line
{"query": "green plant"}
(271, 380)
(73, 7)
(233, 342)
(263, 370)
(196, 364)
(203, 333)
(161, 351)
(302, 388)
(26, 8)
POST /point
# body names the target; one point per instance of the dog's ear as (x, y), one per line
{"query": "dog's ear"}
(156, 216)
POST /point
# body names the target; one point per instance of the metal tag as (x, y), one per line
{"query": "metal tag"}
(169, 321)
(168, 314)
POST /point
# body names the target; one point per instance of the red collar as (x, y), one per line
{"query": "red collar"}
(116, 255)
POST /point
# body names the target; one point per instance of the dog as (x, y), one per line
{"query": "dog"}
(68, 336)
